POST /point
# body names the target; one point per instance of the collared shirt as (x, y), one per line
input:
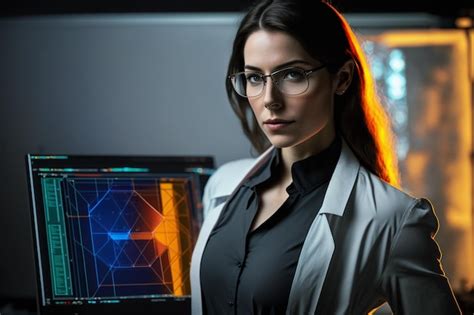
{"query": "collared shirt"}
(251, 272)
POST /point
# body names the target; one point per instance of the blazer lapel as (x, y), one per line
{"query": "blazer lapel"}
(318, 247)
(206, 229)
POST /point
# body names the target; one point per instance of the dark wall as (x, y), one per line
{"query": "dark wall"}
(448, 9)
(148, 85)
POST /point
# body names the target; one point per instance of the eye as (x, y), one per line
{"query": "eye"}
(254, 78)
(293, 75)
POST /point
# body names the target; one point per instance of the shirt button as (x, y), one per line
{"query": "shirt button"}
(239, 264)
(230, 303)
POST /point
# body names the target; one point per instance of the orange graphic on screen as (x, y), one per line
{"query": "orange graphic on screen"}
(134, 235)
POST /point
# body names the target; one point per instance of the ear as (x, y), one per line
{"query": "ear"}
(343, 77)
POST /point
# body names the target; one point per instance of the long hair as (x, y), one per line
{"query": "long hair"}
(325, 34)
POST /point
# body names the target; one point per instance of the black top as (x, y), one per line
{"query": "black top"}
(251, 272)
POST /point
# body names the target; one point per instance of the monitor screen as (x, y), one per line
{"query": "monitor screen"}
(115, 233)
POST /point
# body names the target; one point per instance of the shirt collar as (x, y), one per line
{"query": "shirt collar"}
(307, 174)
(265, 171)
(317, 169)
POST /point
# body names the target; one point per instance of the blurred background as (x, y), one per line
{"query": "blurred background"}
(136, 78)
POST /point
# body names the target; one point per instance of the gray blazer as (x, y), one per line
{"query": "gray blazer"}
(369, 243)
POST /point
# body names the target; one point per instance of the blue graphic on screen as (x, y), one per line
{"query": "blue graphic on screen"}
(112, 237)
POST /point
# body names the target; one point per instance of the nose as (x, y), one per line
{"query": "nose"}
(271, 95)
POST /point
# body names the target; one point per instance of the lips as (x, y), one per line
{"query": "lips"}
(276, 124)
(277, 121)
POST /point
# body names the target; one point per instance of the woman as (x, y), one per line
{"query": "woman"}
(316, 223)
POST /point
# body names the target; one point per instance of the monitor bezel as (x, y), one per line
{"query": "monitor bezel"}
(168, 305)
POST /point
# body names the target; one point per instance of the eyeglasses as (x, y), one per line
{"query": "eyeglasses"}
(289, 81)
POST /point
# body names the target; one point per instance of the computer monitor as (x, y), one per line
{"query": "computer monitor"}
(115, 233)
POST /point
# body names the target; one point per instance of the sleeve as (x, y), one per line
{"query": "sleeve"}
(413, 280)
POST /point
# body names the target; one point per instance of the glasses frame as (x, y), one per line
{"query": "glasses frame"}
(264, 77)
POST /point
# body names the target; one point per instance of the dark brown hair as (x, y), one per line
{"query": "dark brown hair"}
(326, 36)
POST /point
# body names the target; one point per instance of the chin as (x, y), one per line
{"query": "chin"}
(282, 143)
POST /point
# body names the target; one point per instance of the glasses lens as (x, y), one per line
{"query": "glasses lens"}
(292, 81)
(248, 84)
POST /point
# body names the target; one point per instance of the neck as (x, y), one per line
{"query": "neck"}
(303, 150)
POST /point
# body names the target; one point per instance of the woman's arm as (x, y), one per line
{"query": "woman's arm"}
(413, 280)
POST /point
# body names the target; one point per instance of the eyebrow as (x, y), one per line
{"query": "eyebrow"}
(283, 65)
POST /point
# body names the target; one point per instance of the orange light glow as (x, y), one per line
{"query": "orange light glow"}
(167, 233)
(443, 132)
(378, 122)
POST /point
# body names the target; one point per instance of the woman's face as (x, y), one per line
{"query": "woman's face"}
(304, 120)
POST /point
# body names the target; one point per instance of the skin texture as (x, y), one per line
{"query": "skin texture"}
(311, 113)
(312, 129)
